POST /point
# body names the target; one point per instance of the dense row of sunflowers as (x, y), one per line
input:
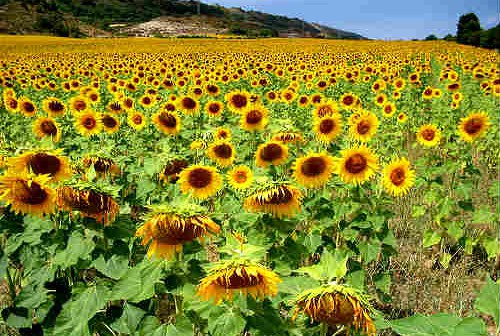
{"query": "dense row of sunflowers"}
(270, 130)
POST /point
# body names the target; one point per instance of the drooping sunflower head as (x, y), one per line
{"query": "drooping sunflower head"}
(27, 194)
(237, 101)
(328, 128)
(54, 107)
(428, 135)
(288, 137)
(88, 123)
(200, 181)
(136, 120)
(46, 127)
(271, 153)
(337, 305)
(240, 277)
(240, 177)
(277, 199)
(170, 173)
(49, 163)
(473, 126)
(168, 227)
(398, 178)
(356, 165)
(363, 125)
(167, 122)
(254, 118)
(326, 108)
(103, 166)
(115, 107)
(313, 170)
(90, 202)
(222, 153)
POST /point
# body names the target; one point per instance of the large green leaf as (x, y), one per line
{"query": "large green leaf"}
(329, 267)
(439, 325)
(488, 300)
(128, 322)
(227, 324)
(78, 247)
(115, 267)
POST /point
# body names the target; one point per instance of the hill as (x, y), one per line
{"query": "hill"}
(150, 17)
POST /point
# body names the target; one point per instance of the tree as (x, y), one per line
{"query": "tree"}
(468, 29)
(431, 37)
(449, 37)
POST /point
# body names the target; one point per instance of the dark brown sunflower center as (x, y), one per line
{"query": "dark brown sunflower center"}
(271, 152)
(428, 134)
(363, 127)
(56, 106)
(355, 164)
(388, 109)
(28, 107)
(89, 123)
(428, 92)
(280, 196)
(398, 176)
(453, 86)
(313, 166)
(303, 100)
(177, 234)
(212, 89)
(188, 103)
(170, 107)
(223, 151)
(146, 100)
(473, 126)
(380, 100)
(109, 121)
(239, 100)
(42, 163)
(271, 95)
(326, 126)
(240, 177)
(235, 281)
(197, 91)
(128, 103)
(254, 117)
(31, 194)
(348, 100)
(222, 134)
(199, 178)
(48, 127)
(13, 103)
(214, 108)
(137, 119)
(80, 105)
(167, 120)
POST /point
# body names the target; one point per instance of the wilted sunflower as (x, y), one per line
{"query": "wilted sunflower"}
(473, 126)
(363, 125)
(356, 165)
(53, 107)
(288, 137)
(313, 170)
(328, 128)
(240, 177)
(168, 227)
(102, 166)
(271, 153)
(336, 305)
(88, 123)
(428, 135)
(229, 278)
(27, 107)
(222, 133)
(110, 123)
(280, 200)
(136, 120)
(91, 203)
(398, 178)
(326, 108)
(46, 127)
(254, 118)
(27, 194)
(49, 163)
(200, 181)
(214, 109)
(172, 169)
(222, 153)
(167, 122)
(115, 107)
(237, 101)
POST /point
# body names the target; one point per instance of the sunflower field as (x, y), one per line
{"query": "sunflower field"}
(176, 187)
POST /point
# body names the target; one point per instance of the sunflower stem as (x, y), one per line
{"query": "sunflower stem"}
(324, 329)
(10, 283)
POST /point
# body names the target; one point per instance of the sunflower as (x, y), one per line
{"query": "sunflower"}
(79, 104)
(288, 96)
(254, 118)
(136, 120)
(49, 163)
(272, 96)
(91, 203)
(428, 93)
(214, 109)
(402, 117)
(237, 101)
(212, 89)
(110, 123)
(349, 101)
(303, 101)
(313, 170)
(428, 135)
(222, 133)
(473, 126)
(457, 97)
(27, 107)
(356, 165)
(399, 84)
(326, 108)
(11, 103)
(363, 125)
(201, 181)
(228, 278)
(389, 109)
(171, 171)
(398, 178)
(102, 166)
(328, 128)
(46, 127)
(280, 200)
(147, 101)
(115, 107)
(271, 153)
(380, 99)
(288, 137)
(240, 177)
(27, 194)
(336, 305)
(188, 105)
(53, 107)
(167, 122)
(87, 123)
(168, 227)
(222, 153)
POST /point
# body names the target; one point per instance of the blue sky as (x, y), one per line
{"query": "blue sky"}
(382, 19)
